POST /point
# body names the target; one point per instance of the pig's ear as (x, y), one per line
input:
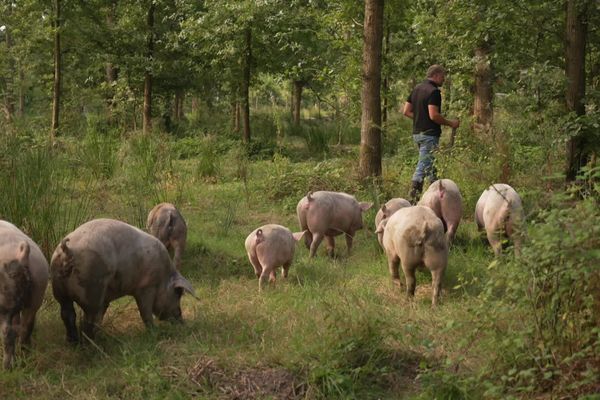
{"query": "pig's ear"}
(381, 226)
(179, 282)
(365, 206)
(23, 253)
(298, 235)
(63, 246)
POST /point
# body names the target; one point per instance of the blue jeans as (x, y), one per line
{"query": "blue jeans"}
(425, 168)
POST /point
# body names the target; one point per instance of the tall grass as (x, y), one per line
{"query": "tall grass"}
(42, 195)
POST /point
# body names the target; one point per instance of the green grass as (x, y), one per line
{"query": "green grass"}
(336, 328)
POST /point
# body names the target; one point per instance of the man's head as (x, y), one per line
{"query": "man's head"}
(437, 74)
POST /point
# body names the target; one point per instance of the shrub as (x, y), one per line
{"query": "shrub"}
(555, 349)
(291, 181)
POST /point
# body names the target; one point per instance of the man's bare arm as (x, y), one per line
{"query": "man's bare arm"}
(408, 110)
(434, 114)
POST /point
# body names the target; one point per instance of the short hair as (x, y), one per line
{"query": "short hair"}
(434, 70)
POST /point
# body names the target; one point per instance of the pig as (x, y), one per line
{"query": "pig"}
(328, 214)
(166, 223)
(414, 237)
(499, 212)
(269, 247)
(104, 260)
(444, 198)
(387, 210)
(24, 276)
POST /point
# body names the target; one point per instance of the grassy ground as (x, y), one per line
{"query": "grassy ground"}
(336, 328)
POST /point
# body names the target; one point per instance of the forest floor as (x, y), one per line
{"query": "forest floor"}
(335, 328)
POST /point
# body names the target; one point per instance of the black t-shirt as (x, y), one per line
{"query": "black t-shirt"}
(424, 94)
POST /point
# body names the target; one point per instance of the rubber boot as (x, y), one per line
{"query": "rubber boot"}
(415, 192)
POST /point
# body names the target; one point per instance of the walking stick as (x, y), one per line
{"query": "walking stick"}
(452, 136)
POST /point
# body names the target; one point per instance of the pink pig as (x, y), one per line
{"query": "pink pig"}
(444, 198)
(269, 247)
(329, 214)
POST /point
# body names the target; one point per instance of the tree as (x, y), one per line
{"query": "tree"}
(147, 117)
(575, 43)
(370, 132)
(245, 86)
(57, 72)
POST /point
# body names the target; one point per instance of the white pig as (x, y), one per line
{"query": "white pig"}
(328, 214)
(23, 280)
(499, 212)
(444, 198)
(414, 237)
(105, 259)
(269, 247)
(386, 211)
(166, 223)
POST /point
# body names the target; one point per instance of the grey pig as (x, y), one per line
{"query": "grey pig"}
(269, 247)
(166, 223)
(328, 214)
(444, 198)
(386, 211)
(499, 212)
(23, 280)
(105, 259)
(414, 237)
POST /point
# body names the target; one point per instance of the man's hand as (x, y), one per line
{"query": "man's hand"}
(408, 110)
(453, 123)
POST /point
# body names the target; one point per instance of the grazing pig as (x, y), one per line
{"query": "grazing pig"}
(23, 280)
(387, 210)
(105, 259)
(444, 198)
(414, 237)
(328, 214)
(269, 247)
(166, 223)
(500, 213)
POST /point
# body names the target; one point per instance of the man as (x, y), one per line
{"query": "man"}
(424, 106)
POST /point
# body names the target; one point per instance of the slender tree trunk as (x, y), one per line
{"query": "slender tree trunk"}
(21, 108)
(238, 116)
(292, 88)
(178, 105)
(110, 68)
(297, 100)
(246, 84)
(181, 101)
(575, 35)
(9, 98)
(147, 117)
(57, 72)
(386, 83)
(483, 96)
(370, 132)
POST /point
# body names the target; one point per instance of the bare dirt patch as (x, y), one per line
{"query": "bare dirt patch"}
(246, 383)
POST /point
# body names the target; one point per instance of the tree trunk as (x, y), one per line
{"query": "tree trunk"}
(482, 106)
(238, 116)
(57, 73)
(370, 132)
(9, 98)
(147, 116)
(575, 35)
(110, 69)
(386, 83)
(178, 105)
(21, 108)
(297, 100)
(245, 89)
